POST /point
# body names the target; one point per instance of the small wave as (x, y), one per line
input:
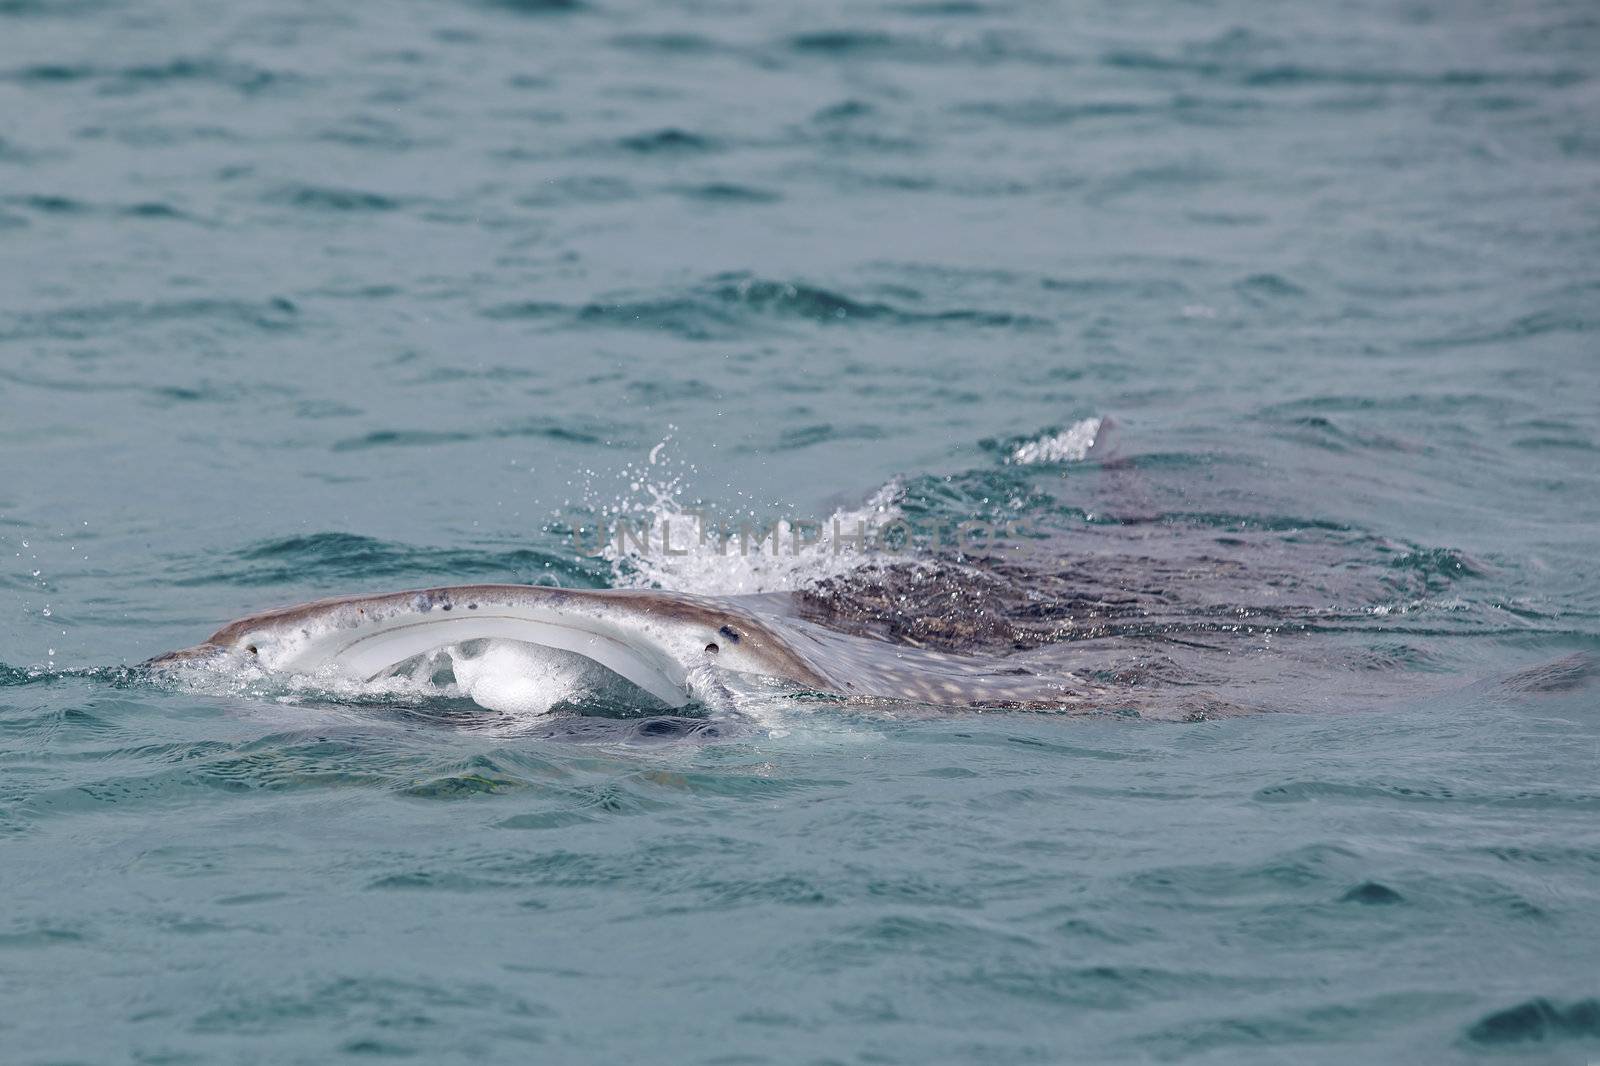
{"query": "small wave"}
(326, 198)
(1262, 289)
(1522, 328)
(84, 321)
(844, 111)
(727, 193)
(1401, 404)
(427, 438)
(825, 432)
(243, 77)
(48, 8)
(1037, 112)
(666, 43)
(790, 298)
(1389, 794)
(688, 319)
(668, 141)
(838, 42)
(1160, 178)
(159, 395)
(940, 8)
(1568, 674)
(727, 305)
(16, 675)
(368, 131)
(114, 676)
(1444, 564)
(387, 438)
(537, 7)
(317, 558)
(1219, 63)
(984, 47)
(1071, 445)
(1372, 894)
(48, 204)
(1263, 1035)
(1538, 1021)
(580, 189)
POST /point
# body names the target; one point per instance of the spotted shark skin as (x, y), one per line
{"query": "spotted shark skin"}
(661, 641)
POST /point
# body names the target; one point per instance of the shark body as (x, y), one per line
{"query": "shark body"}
(660, 641)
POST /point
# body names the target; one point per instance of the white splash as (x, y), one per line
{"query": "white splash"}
(728, 560)
(653, 540)
(1071, 445)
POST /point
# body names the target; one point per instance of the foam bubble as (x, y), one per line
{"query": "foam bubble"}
(511, 677)
(1071, 445)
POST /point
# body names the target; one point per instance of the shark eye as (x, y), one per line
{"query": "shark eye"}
(251, 648)
(712, 649)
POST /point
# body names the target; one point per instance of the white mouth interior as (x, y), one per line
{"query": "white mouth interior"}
(378, 648)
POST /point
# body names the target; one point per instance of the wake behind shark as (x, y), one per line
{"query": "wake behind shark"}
(674, 646)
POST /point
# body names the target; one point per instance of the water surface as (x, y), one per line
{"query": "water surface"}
(300, 301)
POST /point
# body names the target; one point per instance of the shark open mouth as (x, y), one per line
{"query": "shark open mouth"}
(519, 678)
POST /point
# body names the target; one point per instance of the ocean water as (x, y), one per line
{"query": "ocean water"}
(300, 300)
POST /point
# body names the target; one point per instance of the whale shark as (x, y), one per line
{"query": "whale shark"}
(672, 645)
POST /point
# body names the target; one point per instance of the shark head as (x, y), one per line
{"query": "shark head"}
(656, 641)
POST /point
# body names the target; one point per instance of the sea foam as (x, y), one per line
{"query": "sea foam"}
(1071, 445)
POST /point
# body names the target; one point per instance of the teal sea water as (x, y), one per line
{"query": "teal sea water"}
(305, 299)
